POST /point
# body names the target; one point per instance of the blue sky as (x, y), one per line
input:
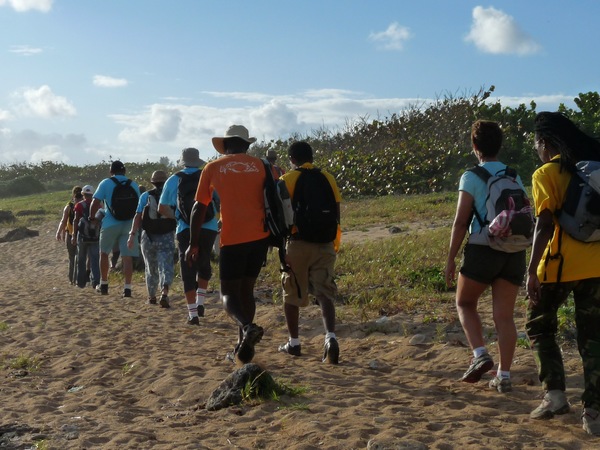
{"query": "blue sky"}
(85, 80)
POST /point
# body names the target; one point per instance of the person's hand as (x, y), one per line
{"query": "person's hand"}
(191, 254)
(131, 241)
(74, 240)
(450, 273)
(533, 288)
(59, 235)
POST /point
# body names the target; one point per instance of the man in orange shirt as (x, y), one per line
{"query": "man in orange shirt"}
(239, 180)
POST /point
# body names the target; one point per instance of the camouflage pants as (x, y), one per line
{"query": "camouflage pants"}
(542, 326)
(158, 251)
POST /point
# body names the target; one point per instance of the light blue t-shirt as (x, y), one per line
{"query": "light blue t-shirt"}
(143, 202)
(169, 198)
(471, 183)
(104, 193)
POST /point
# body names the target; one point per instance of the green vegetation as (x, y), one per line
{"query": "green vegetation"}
(23, 362)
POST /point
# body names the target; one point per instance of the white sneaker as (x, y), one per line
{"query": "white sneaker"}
(591, 421)
(554, 403)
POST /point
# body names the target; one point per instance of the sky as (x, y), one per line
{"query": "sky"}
(85, 81)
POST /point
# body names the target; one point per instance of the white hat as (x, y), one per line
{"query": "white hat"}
(87, 189)
(238, 131)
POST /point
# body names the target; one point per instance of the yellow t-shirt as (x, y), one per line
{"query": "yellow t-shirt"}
(291, 178)
(581, 260)
(239, 180)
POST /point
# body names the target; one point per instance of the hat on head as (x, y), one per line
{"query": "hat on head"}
(87, 189)
(117, 166)
(190, 157)
(159, 176)
(238, 131)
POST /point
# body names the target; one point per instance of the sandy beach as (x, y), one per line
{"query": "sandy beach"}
(121, 374)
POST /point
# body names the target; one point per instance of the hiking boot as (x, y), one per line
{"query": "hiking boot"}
(502, 385)
(201, 310)
(103, 289)
(164, 301)
(331, 351)
(294, 350)
(478, 367)
(554, 403)
(152, 300)
(252, 336)
(193, 320)
(591, 421)
(126, 292)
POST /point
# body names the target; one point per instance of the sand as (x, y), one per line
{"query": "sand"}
(121, 374)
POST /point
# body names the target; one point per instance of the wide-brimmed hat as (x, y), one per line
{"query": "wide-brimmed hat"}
(87, 189)
(238, 131)
(158, 176)
(190, 157)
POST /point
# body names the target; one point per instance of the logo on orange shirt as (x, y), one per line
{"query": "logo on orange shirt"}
(238, 167)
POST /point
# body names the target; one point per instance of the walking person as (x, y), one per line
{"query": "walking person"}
(561, 265)
(176, 201)
(239, 179)
(157, 240)
(120, 197)
(311, 249)
(86, 235)
(483, 266)
(277, 171)
(65, 231)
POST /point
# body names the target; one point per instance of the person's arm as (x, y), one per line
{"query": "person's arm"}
(94, 207)
(62, 225)
(460, 226)
(166, 211)
(135, 226)
(196, 221)
(544, 230)
(76, 219)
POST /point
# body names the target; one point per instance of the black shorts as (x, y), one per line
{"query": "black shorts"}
(242, 260)
(484, 264)
(202, 267)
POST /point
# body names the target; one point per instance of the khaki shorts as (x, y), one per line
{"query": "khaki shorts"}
(312, 272)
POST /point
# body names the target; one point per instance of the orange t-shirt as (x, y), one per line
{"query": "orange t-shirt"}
(239, 180)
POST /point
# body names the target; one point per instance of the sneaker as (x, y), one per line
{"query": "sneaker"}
(502, 385)
(230, 356)
(294, 350)
(201, 310)
(152, 300)
(331, 353)
(126, 292)
(103, 289)
(193, 320)
(164, 301)
(478, 367)
(252, 336)
(554, 403)
(591, 421)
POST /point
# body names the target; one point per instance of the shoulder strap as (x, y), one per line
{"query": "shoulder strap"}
(117, 182)
(482, 173)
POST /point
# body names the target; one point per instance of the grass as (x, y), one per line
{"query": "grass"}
(23, 362)
(4, 326)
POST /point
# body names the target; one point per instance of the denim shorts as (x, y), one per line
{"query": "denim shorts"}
(483, 264)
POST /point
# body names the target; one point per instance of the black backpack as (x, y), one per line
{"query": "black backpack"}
(315, 208)
(186, 193)
(152, 221)
(88, 231)
(124, 200)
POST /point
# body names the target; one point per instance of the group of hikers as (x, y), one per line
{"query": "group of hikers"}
(564, 258)
(227, 198)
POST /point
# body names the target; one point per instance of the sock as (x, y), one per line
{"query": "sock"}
(127, 286)
(104, 282)
(329, 335)
(192, 310)
(200, 296)
(503, 374)
(477, 352)
(294, 342)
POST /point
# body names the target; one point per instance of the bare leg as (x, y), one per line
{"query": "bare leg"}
(467, 296)
(504, 296)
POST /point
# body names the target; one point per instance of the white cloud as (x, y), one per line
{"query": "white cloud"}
(393, 38)
(27, 5)
(25, 50)
(49, 153)
(5, 115)
(42, 102)
(159, 124)
(494, 31)
(104, 81)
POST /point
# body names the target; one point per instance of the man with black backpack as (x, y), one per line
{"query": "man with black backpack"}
(311, 249)
(157, 241)
(176, 201)
(85, 236)
(120, 197)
